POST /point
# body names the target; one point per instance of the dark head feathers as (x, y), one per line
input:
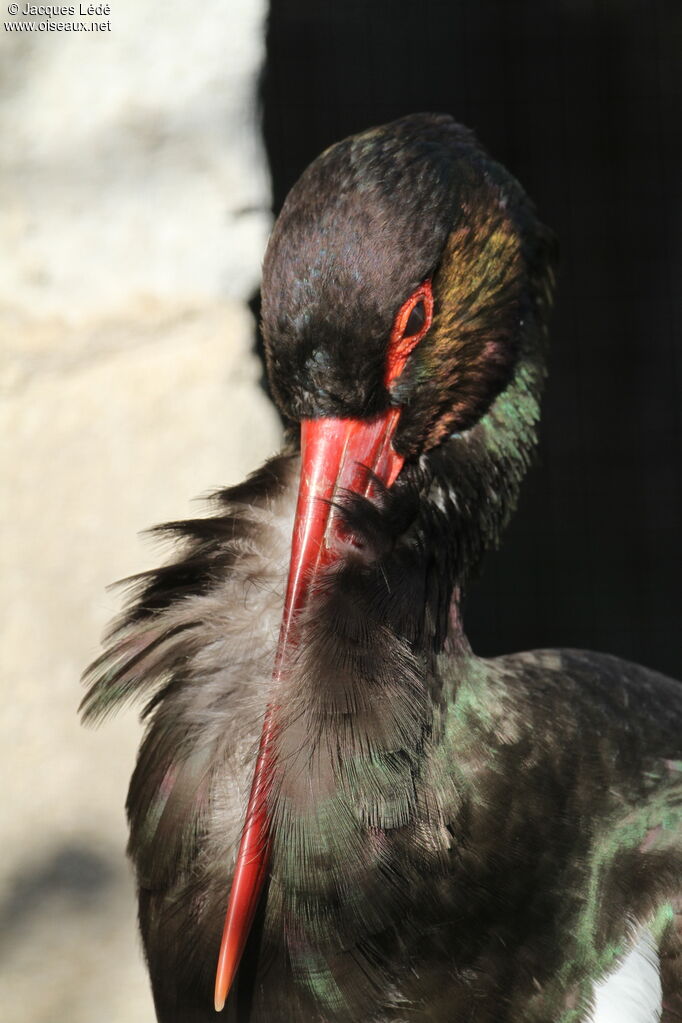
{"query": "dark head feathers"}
(362, 227)
(368, 221)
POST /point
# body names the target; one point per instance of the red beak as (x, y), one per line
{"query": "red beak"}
(335, 457)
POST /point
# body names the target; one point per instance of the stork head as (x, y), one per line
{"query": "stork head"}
(399, 275)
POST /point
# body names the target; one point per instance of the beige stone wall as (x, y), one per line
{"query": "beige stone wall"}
(132, 223)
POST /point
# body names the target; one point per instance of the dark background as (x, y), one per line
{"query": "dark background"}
(582, 101)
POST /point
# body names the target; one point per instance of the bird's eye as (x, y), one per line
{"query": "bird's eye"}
(415, 320)
(409, 327)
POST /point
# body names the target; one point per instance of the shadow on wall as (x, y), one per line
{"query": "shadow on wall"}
(81, 878)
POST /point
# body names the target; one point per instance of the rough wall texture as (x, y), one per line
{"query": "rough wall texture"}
(132, 226)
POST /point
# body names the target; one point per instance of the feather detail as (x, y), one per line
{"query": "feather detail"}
(179, 615)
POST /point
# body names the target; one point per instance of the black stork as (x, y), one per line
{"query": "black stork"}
(429, 835)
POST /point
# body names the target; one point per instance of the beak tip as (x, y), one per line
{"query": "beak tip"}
(223, 982)
(220, 994)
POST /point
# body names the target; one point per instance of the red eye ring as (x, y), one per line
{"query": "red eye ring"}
(400, 346)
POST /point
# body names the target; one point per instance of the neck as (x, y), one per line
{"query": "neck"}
(468, 489)
(364, 681)
(362, 705)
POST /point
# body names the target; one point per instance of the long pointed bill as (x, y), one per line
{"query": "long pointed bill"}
(336, 455)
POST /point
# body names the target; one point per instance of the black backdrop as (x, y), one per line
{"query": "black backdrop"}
(582, 101)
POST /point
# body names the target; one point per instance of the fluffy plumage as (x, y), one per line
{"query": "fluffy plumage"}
(453, 838)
